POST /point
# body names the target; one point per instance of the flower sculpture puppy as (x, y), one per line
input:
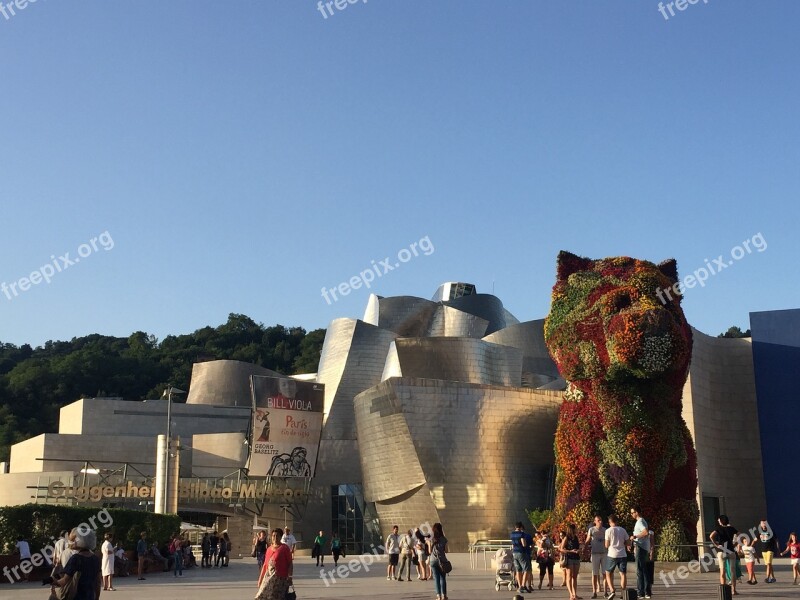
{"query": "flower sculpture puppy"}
(621, 439)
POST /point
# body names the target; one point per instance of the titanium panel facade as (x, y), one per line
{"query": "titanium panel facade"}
(459, 359)
(485, 454)
(721, 411)
(352, 360)
(224, 383)
(537, 366)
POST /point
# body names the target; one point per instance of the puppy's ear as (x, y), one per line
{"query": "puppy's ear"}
(669, 268)
(569, 263)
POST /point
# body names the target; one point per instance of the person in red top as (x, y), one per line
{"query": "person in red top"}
(276, 574)
(793, 548)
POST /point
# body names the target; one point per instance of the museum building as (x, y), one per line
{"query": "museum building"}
(434, 410)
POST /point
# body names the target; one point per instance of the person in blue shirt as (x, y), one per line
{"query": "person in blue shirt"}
(141, 551)
(521, 544)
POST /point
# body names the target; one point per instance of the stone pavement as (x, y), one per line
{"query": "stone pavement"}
(238, 582)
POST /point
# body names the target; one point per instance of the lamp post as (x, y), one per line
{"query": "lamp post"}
(168, 395)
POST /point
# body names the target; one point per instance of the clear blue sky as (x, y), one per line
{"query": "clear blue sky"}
(244, 154)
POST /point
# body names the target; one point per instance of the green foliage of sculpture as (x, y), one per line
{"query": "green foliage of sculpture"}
(621, 439)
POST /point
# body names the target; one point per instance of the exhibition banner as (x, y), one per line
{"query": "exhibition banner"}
(287, 423)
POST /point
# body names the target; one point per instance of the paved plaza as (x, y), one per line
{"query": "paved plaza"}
(238, 582)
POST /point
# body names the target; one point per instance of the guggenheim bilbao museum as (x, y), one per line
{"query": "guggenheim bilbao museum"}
(423, 410)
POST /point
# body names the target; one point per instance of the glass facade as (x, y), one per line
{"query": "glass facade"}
(355, 520)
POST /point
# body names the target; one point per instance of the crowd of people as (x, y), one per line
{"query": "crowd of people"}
(608, 548)
(734, 547)
(425, 553)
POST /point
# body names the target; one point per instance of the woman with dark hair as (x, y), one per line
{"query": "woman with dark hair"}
(276, 574)
(571, 549)
(437, 548)
(421, 548)
(85, 562)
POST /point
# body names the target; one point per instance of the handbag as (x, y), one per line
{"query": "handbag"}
(446, 566)
(290, 593)
(562, 562)
(69, 591)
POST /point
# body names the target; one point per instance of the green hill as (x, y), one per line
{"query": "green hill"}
(36, 382)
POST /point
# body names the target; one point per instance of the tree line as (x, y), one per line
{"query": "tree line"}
(36, 382)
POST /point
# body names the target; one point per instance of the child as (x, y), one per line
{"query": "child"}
(544, 558)
(749, 553)
(793, 547)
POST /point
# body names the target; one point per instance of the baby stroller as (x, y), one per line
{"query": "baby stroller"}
(504, 574)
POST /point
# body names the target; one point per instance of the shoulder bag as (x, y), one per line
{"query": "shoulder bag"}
(67, 592)
(445, 565)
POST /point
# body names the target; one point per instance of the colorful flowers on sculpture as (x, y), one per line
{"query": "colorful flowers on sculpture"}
(621, 439)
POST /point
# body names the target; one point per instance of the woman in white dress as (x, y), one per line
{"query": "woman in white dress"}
(108, 563)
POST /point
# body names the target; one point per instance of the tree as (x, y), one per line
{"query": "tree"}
(735, 332)
(36, 383)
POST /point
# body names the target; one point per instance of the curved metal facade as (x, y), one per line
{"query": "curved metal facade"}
(459, 359)
(537, 367)
(473, 457)
(224, 382)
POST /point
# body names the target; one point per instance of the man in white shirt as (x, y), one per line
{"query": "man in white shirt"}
(24, 551)
(393, 550)
(641, 549)
(289, 540)
(59, 547)
(616, 539)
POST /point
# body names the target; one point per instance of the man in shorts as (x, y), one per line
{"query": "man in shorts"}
(616, 539)
(393, 550)
(768, 546)
(520, 547)
(596, 536)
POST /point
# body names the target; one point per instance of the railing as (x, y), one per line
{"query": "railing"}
(482, 547)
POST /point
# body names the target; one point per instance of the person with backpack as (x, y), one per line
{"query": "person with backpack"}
(82, 578)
